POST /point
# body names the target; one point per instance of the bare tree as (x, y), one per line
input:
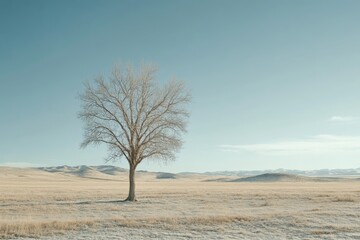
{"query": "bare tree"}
(135, 117)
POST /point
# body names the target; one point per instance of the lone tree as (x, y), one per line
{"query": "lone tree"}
(135, 117)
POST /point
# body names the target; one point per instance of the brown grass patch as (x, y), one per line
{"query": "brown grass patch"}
(36, 229)
(181, 221)
(345, 199)
(321, 232)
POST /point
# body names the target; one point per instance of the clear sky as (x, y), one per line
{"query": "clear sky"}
(275, 84)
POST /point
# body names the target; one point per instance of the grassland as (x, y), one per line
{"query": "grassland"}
(45, 205)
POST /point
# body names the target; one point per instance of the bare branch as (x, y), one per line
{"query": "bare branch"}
(134, 116)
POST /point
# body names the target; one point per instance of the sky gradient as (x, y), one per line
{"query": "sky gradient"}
(275, 84)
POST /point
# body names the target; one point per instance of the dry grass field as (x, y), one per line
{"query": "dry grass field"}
(56, 205)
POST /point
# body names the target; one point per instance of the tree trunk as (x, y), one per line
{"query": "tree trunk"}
(131, 196)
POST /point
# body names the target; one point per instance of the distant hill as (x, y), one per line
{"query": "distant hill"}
(102, 171)
(275, 177)
(281, 177)
(113, 173)
(108, 169)
(313, 173)
(165, 175)
(113, 170)
(83, 169)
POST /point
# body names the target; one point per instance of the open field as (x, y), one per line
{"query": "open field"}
(56, 205)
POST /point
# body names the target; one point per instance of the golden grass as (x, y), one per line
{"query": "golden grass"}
(321, 232)
(32, 207)
(31, 228)
(346, 198)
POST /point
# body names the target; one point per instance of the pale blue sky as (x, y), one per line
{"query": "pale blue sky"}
(275, 84)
